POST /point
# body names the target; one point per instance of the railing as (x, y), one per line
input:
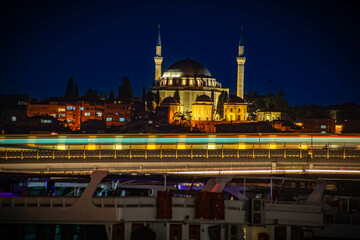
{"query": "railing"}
(341, 219)
(179, 153)
(285, 206)
(116, 202)
(105, 202)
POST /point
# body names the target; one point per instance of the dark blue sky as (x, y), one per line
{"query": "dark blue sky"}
(310, 49)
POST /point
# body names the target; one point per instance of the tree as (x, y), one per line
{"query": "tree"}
(223, 97)
(121, 96)
(69, 94)
(143, 97)
(157, 98)
(177, 95)
(149, 102)
(111, 96)
(125, 91)
(76, 92)
(91, 95)
(280, 102)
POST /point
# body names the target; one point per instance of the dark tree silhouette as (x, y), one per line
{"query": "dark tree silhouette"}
(76, 92)
(125, 91)
(69, 94)
(157, 98)
(111, 96)
(223, 97)
(91, 95)
(149, 102)
(177, 95)
(143, 97)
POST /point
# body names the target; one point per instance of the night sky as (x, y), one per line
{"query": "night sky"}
(309, 49)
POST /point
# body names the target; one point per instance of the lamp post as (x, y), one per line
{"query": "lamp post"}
(259, 138)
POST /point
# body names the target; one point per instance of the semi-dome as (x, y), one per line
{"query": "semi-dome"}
(187, 68)
(203, 98)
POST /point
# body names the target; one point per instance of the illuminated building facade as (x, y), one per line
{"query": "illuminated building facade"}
(270, 115)
(190, 78)
(168, 110)
(75, 113)
(203, 109)
(235, 109)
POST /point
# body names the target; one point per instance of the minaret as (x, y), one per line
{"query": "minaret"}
(158, 58)
(241, 64)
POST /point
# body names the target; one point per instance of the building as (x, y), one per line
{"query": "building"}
(168, 110)
(117, 114)
(270, 115)
(203, 109)
(77, 112)
(192, 79)
(235, 109)
(13, 109)
(318, 125)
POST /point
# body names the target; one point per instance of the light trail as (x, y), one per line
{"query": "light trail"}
(185, 139)
(266, 171)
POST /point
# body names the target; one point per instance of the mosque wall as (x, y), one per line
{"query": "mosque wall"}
(188, 97)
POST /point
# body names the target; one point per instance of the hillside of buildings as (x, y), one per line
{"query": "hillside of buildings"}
(121, 112)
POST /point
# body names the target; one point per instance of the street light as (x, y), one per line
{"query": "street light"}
(259, 138)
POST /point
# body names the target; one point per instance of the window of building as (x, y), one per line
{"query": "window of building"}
(81, 108)
(61, 109)
(61, 115)
(122, 119)
(323, 126)
(238, 109)
(231, 109)
(87, 114)
(98, 114)
(46, 121)
(238, 118)
(70, 108)
(13, 118)
(108, 119)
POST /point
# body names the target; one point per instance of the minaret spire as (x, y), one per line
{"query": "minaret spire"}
(159, 38)
(241, 65)
(158, 58)
(241, 41)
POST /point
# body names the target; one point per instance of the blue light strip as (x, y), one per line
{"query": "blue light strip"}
(183, 139)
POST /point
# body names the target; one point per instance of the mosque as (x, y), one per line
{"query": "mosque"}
(199, 91)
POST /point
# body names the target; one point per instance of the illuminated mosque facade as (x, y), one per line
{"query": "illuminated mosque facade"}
(199, 91)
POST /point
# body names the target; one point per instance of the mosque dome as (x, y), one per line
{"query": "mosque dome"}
(235, 99)
(203, 98)
(187, 68)
(169, 100)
